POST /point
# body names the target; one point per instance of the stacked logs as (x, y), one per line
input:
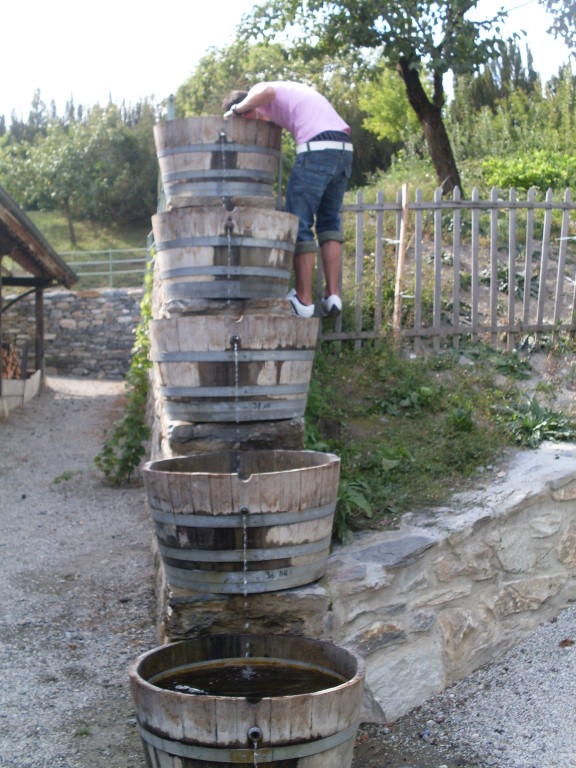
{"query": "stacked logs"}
(11, 368)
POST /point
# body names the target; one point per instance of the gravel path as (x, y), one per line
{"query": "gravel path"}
(518, 712)
(76, 585)
(76, 580)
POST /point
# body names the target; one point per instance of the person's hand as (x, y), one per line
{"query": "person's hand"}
(231, 112)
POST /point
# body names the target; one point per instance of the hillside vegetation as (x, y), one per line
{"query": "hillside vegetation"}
(409, 431)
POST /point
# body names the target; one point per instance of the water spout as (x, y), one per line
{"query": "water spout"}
(255, 735)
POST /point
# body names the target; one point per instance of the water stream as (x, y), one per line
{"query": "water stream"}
(235, 341)
(226, 200)
(229, 227)
(244, 512)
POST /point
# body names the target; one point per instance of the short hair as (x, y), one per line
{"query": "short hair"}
(234, 97)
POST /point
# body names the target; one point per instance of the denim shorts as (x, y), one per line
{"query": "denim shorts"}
(315, 193)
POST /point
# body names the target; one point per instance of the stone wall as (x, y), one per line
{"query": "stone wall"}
(428, 603)
(87, 333)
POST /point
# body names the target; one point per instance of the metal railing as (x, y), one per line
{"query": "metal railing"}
(114, 268)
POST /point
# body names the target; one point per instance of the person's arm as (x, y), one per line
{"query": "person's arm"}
(258, 96)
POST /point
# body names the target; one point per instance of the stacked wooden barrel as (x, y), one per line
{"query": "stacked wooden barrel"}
(231, 371)
(247, 510)
(232, 364)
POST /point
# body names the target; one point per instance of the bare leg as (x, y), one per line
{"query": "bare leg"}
(331, 253)
(304, 273)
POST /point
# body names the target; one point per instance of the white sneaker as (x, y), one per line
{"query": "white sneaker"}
(302, 310)
(331, 306)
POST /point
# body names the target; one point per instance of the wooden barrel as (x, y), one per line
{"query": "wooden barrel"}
(255, 367)
(212, 253)
(306, 730)
(240, 522)
(209, 160)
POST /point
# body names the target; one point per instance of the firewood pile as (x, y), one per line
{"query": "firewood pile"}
(11, 368)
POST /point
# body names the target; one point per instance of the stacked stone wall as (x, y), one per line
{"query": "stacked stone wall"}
(87, 333)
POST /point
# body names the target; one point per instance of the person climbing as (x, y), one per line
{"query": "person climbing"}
(317, 182)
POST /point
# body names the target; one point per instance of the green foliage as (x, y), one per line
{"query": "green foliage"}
(410, 432)
(124, 448)
(458, 421)
(530, 424)
(541, 169)
(63, 477)
(439, 33)
(353, 495)
(388, 111)
(100, 166)
(564, 20)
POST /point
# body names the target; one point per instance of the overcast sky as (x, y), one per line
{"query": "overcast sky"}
(132, 49)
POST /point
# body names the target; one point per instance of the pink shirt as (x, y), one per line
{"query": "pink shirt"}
(302, 111)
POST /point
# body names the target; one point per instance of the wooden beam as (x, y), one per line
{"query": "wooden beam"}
(39, 342)
(26, 282)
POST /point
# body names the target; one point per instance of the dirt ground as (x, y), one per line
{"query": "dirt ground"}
(77, 587)
(78, 600)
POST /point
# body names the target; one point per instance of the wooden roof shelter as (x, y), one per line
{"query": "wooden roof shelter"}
(40, 267)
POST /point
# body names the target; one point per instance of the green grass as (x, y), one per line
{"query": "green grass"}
(106, 247)
(89, 235)
(411, 432)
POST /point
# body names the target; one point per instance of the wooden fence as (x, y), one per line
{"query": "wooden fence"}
(437, 272)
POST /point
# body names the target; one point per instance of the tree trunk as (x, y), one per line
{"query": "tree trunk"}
(430, 118)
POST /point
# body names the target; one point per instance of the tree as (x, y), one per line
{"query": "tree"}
(498, 110)
(99, 165)
(58, 163)
(563, 13)
(411, 35)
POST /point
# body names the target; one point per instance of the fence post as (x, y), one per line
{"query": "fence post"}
(494, 267)
(359, 268)
(511, 270)
(544, 260)
(437, 302)
(379, 262)
(398, 287)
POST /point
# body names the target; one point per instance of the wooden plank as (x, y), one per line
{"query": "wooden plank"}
(511, 268)
(475, 263)
(560, 274)
(544, 263)
(456, 268)
(359, 265)
(494, 268)
(399, 284)
(528, 260)
(437, 309)
(418, 271)
(379, 264)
